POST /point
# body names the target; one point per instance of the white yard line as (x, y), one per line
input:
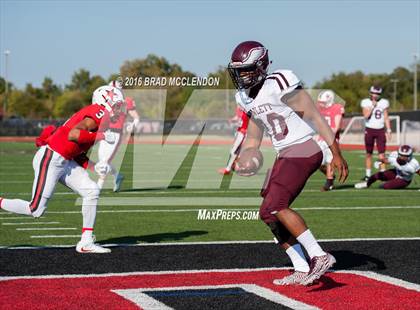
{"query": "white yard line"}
(17, 182)
(32, 223)
(16, 217)
(146, 192)
(54, 236)
(49, 228)
(209, 243)
(236, 209)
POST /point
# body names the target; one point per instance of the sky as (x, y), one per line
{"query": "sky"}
(313, 38)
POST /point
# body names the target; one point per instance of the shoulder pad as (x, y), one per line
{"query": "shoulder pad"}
(286, 79)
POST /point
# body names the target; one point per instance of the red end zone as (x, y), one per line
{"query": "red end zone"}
(338, 290)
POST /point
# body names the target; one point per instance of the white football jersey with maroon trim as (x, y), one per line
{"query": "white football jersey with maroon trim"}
(377, 119)
(284, 125)
(406, 171)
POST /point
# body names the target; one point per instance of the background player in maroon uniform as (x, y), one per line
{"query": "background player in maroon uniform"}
(375, 112)
(405, 166)
(55, 162)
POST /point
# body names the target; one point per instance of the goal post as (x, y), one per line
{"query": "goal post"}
(410, 134)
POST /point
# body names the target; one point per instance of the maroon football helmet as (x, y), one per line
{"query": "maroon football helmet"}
(405, 153)
(248, 64)
(375, 92)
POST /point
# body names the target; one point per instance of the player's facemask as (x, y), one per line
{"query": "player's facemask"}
(117, 109)
(246, 76)
(402, 160)
(375, 97)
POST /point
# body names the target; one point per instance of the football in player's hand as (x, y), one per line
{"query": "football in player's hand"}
(249, 162)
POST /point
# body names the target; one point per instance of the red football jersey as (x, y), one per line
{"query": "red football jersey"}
(118, 124)
(243, 120)
(45, 134)
(330, 113)
(59, 141)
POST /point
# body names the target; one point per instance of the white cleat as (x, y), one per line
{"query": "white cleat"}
(360, 185)
(90, 247)
(296, 278)
(117, 182)
(319, 266)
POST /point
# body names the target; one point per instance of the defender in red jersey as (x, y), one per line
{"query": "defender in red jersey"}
(242, 119)
(107, 151)
(333, 114)
(61, 158)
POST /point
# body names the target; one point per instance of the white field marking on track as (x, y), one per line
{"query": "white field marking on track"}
(43, 228)
(206, 243)
(140, 298)
(33, 223)
(236, 209)
(368, 274)
(54, 236)
(384, 278)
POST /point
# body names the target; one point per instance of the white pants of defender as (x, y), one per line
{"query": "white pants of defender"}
(106, 151)
(50, 168)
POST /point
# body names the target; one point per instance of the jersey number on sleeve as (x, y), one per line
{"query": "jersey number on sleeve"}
(278, 126)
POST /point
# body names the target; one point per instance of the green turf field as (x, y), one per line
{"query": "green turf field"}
(147, 211)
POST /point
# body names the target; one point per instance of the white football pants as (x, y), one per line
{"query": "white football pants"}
(50, 168)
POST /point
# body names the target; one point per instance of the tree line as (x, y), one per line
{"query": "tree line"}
(55, 101)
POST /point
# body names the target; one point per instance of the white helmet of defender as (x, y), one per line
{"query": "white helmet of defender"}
(109, 97)
(326, 98)
(118, 83)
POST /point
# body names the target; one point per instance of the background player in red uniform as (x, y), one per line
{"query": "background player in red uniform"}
(242, 119)
(107, 151)
(333, 114)
(62, 159)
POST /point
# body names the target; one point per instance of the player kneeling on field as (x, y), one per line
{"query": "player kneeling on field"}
(405, 166)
